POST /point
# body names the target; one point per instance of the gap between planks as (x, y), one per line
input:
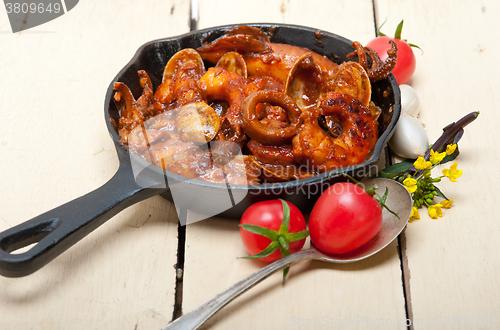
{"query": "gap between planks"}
(179, 268)
(405, 277)
(181, 230)
(403, 259)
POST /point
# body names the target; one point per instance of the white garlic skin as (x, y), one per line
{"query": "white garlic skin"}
(409, 139)
(410, 103)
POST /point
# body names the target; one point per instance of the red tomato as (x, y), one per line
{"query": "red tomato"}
(269, 214)
(344, 218)
(405, 63)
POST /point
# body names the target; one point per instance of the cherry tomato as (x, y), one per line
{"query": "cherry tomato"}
(269, 214)
(405, 63)
(344, 218)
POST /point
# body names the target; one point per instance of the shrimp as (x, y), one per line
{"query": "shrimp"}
(319, 150)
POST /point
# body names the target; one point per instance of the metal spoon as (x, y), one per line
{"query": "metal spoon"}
(398, 200)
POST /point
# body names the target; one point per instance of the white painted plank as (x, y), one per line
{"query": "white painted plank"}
(54, 147)
(454, 261)
(352, 20)
(316, 294)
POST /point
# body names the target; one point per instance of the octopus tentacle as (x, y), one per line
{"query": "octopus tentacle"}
(124, 99)
(145, 101)
(219, 84)
(379, 70)
(133, 112)
(320, 151)
(360, 51)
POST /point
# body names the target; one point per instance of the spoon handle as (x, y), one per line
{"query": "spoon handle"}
(203, 312)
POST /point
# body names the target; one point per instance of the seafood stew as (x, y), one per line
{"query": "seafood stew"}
(241, 107)
(55, 231)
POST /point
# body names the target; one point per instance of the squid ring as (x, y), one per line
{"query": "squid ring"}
(262, 133)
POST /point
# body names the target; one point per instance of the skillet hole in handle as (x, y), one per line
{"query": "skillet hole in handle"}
(28, 236)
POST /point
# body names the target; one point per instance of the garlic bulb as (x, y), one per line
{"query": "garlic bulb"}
(410, 103)
(409, 139)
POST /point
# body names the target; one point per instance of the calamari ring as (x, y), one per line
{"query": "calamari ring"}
(262, 133)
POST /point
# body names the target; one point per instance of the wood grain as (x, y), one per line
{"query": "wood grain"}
(315, 295)
(54, 147)
(454, 261)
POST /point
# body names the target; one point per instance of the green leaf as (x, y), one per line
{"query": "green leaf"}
(371, 191)
(292, 237)
(440, 193)
(415, 46)
(399, 29)
(285, 273)
(285, 252)
(384, 197)
(449, 158)
(395, 170)
(266, 232)
(379, 33)
(381, 200)
(267, 251)
(286, 218)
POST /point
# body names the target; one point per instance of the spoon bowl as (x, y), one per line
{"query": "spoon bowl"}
(398, 200)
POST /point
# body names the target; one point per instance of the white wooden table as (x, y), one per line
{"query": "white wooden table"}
(54, 147)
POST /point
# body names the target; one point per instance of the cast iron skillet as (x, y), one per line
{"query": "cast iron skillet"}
(58, 229)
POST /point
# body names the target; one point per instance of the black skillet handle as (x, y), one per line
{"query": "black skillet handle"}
(57, 230)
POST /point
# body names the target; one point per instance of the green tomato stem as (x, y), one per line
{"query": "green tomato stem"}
(280, 239)
(286, 218)
(399, 29)
(283, 244)
(273, 246)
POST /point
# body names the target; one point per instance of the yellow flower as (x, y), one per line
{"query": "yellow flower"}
(450, 148)
(437, 157)
(453, 174)
(422, 164)
(447, 203)
(410, 184)
(414, 214)
(435, 211)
